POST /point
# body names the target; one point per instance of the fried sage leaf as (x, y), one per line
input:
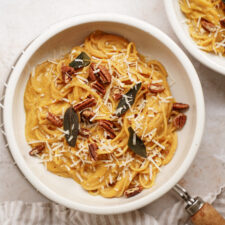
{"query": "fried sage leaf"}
(223, 1)
(71, 126)
(81, 61)
(127, 100)
(136, 144)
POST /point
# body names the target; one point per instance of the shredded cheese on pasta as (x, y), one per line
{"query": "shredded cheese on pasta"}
(118, 168)
(213, 12)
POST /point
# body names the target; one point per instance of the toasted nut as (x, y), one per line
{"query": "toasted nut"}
(92, 76)
(156, 88)
(117, 93)
(89, 102)
(178, 106)
(93, 147)
(127, 82)
(104, 75)
(55, 120)
(100, 88)
(67, 73)
(222, 22)
(84, 132)
(86, 115)
(108, 122)
(37, 150)
(100, 72)
(108, 126)
(68, 69)
(208, 26)
(179, 120)
(133, 191)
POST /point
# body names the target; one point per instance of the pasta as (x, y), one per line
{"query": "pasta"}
(101, 160)
(206, 21)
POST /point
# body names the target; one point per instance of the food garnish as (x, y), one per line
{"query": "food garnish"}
(67, 73)
(99, 87)
(208, 26)
(54, 119)
(127, 99)
(108, 126)
(179, 106)
(179, 120)
(133, 191)
(117, 93)
(93, 147)
(86, 115)
(84, 132)
(222, 22)
(37, 150)
(156, 88)
(81, 61)
(89, 102)
(71, 126)
(136, 144)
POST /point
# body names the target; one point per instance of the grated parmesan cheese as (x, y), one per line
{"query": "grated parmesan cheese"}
(35, 127)
(157, 143)
(79, 177)
(151, 160)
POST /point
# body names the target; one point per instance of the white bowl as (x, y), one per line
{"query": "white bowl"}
(59, 39)
(177, 21)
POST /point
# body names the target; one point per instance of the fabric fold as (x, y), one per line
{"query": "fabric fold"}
(21, 213)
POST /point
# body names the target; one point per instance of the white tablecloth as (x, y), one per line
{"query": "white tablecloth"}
(23, 20)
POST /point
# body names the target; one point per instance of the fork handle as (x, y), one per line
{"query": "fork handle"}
(207, 215)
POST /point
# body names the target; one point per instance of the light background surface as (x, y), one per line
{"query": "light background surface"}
(23, 20)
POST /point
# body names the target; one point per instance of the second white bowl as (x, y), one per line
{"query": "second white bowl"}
(177, 21)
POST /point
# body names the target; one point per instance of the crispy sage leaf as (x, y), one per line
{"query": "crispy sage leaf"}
(71, 126)
(127, 100)
(81, 61)
(223, 1)
(136, 144)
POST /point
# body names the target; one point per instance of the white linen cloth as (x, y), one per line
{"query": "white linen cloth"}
(20, 22)
(20, 213)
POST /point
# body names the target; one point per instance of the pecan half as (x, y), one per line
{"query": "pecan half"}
(179, 120)
(222, 22)
(99, 87)
(208, 26)
(84, 132)
(127, 82)
(37, 150)
(86, 115)
(117, 93)
(67, 73)
(104, 75)
(108, 126)
(91, 75)
(156, 88)
(133, 191)
(89, 102)
(93, 147)
(55, 120)
(99, 72)
(178, 106)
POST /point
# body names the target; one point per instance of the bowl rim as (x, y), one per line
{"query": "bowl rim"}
(185, 41)
(122, 19)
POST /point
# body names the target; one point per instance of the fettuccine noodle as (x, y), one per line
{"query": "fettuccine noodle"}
(117, 168)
